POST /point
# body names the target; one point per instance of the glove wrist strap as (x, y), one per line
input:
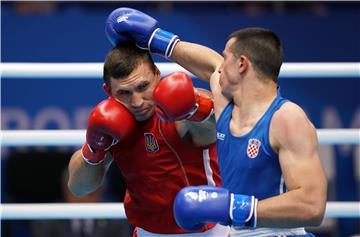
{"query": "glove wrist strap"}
(243, 211)
(162, 42)
(203, 110)
(253, 220)
(91, 157)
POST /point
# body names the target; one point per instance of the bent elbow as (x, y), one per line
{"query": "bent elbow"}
(75, 191)
(316, 216)
(316, 220)
(317, 205)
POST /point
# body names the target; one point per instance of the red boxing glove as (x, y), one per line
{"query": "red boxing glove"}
(109, 122)
(177, 99)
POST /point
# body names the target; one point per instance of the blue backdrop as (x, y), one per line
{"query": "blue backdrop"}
(74, 32)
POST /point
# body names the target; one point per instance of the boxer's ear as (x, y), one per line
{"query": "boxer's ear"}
(107, 89)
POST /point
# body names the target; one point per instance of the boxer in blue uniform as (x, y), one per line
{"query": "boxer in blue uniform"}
(273, 180)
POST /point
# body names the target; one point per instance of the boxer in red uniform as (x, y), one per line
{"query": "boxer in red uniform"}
(161, 135)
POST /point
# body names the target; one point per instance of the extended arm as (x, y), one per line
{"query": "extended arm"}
(125, 24)
(202, 61)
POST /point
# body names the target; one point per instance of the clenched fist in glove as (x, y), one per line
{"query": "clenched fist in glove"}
(194, 206)
(126, 24)
(177, 99)
(109, 122)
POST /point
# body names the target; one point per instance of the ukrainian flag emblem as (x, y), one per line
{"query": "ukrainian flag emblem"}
(151, 145)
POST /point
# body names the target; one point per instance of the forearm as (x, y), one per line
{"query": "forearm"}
(292, 209)
(203, 133)
(85, 178)
(198, 59)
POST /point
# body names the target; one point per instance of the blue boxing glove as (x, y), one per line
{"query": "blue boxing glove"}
(196, 206)
(125, 24)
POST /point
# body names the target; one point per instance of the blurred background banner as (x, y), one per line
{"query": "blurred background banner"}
(74, 32)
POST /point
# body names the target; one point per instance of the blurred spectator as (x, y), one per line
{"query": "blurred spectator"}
(30, 7)
(80, 227)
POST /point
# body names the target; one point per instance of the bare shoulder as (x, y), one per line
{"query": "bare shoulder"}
(289, 114)
(220, 100)
(291, 124)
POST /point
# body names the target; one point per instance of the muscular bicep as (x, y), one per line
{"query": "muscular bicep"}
(295, 139)
(300, 160)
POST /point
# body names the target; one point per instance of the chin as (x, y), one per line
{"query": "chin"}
(144, 117)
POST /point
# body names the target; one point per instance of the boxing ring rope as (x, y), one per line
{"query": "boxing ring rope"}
(94, 70)
(13, 138)
(116, 210)
(77, 137)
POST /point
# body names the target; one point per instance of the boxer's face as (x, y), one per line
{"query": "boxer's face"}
(135, 91)
(228, 71)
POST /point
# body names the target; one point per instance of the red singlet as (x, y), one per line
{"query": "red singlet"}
(156, 164)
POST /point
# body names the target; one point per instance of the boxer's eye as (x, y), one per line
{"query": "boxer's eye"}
(142, 86)
(123, 92)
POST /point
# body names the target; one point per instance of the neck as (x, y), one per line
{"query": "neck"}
(254, 96)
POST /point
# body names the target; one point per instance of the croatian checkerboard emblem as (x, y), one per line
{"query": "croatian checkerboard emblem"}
(253, 148)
